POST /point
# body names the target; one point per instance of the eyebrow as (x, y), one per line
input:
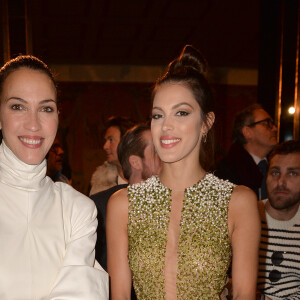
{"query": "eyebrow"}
(294, 168)
(176, 105)
(24, 101)
(289, 169)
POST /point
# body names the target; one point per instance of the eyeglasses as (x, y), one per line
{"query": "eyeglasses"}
(276, 259)
(268, 122)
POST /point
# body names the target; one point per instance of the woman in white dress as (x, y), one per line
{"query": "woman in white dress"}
(47, 229)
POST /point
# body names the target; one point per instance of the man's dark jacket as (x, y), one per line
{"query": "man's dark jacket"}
(239, 167)
(101, 200)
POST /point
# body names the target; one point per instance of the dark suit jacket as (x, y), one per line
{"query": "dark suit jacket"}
(101, 200)
(239, 167)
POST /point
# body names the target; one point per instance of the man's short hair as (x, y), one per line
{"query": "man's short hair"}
(132, 143)
(285, 148)
(242, 119)
(122, 123)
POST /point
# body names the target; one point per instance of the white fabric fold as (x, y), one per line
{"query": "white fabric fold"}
(47, 236)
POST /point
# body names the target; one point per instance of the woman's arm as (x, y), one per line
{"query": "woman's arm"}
(78, 276)
(244, 227)
(117, 245)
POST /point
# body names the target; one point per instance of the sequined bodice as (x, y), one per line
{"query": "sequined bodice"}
(204, 249)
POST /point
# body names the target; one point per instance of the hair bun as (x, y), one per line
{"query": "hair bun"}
(189, 58)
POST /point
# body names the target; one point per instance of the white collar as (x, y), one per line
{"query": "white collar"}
(257, 159)
(16, 173)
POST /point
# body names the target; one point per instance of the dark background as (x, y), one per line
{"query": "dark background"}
(107, 54)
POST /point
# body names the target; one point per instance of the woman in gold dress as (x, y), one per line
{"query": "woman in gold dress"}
(175, 234)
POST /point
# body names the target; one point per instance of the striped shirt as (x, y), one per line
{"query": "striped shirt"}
(279, 256)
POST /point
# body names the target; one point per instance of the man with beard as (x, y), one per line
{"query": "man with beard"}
(139, 161)
(279, 257)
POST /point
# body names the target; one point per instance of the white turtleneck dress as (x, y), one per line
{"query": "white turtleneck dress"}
(47, 236)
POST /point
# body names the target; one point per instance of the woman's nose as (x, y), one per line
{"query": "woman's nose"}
(32, 121)
(167, 123)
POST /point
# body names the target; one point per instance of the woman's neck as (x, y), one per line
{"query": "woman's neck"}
(179, 175)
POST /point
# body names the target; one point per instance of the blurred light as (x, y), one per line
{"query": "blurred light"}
(288, 136)
(292, 110)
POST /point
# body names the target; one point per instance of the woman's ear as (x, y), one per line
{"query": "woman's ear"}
(210, 120)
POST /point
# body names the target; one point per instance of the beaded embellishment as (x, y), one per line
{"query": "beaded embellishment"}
(204, 250)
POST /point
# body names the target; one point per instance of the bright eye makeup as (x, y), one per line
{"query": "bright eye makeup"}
(156, 116)
(182, 113)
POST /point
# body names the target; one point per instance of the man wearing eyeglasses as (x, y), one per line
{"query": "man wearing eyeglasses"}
(279, 256)
(254, 136)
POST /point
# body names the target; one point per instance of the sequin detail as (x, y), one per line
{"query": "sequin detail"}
(204, 250)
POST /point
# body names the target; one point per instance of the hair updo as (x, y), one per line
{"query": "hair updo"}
(189, 69)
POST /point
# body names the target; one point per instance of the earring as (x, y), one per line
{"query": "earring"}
(204, 137)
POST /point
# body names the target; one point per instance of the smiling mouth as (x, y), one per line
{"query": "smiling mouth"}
(30, 141)
(167, 142)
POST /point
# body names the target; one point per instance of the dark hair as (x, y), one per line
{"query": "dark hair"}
(122, 123)
(24, 61)
(243, 118)
(285, 148)
(132, 143)
(189, 69)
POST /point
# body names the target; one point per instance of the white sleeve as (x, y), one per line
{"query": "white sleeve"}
(80, 276)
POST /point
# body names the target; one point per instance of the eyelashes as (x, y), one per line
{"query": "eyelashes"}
(19, 107)
(181, 113)
(16, 107)
(156, 116)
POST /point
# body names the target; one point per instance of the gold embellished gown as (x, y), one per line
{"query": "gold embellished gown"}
(204, 250)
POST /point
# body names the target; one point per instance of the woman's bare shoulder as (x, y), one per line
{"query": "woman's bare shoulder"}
(243, 215)
(243, 196)
(119, 198)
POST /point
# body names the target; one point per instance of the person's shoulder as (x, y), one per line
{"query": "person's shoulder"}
(107, 193)
(243, 210)
(119, 195)
(147, 185)
(73, 198)
(103, 178)
(105, 170)
(219, 183)
(118, 201)
(243, 197)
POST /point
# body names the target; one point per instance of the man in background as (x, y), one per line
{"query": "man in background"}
(139, 161)
(279, 255)
(110, 173)
(55, 162)
(254, 136)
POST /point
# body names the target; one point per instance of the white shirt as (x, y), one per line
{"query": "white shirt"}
(47, 236)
